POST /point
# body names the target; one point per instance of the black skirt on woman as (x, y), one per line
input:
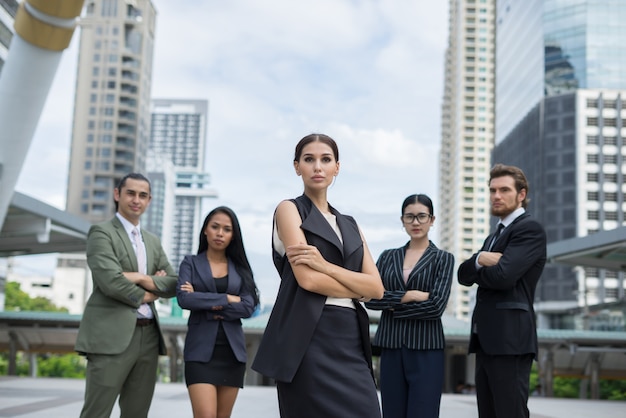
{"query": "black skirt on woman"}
(223, 369)
(334, 379)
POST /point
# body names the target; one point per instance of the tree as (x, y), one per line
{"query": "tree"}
(18, 300)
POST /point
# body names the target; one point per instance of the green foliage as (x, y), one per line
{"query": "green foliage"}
(18, 300)
(614, 390)
(566, 387)
(48, 365)
(65, 365)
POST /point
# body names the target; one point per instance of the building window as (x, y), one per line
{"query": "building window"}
(593, 215)
(593, 177)
(592, 158)
(610, 159)
(610, 104)
(610, 197)
(592, 196)
(610, 122)
(592, 103)
(610, 140)
(610, 216)
(610, 177)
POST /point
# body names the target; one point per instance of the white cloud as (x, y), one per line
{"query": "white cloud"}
(369, 73)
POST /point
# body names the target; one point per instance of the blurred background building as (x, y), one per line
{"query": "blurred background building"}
(559, 81)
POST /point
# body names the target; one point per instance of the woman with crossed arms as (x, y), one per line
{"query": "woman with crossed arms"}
(417, 279)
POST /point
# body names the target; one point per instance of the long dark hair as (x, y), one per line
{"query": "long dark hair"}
(235, 251)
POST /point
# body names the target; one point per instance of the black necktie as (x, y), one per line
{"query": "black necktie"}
(496, 235)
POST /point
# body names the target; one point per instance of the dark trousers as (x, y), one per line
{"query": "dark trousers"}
(502, 385)
(131, 375)
(411, 382)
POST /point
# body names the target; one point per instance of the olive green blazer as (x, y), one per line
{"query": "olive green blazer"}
(110, 315)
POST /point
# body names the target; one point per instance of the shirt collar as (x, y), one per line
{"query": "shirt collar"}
(127, 225)
(512, 216)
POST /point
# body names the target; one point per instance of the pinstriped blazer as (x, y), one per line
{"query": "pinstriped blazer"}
(416, 325)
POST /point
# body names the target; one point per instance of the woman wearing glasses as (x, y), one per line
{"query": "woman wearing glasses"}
(417, 279)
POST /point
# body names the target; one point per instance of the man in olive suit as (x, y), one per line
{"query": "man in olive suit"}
(119, 332)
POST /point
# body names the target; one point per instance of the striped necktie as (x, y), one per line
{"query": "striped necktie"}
(144, 310)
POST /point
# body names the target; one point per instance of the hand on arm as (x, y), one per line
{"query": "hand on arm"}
(149, 297)
(488, 259)
(414, 296)
(316, 274)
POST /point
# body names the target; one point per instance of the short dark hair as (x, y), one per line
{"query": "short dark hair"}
(235, 251)
(312, 138)
(501, 170)
(134, 176)
(418, 198)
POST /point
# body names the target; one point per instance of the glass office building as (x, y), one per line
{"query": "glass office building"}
(551, 47)
(568, 135)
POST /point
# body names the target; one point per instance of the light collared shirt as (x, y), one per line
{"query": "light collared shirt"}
(506, 221)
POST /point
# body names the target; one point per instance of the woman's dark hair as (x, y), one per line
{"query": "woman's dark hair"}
(418, 198)
(235, 251)
(312, 138)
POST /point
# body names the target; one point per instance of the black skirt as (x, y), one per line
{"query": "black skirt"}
(334, 379)
(222, 370)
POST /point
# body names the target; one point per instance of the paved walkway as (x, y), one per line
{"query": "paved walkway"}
(62, 398)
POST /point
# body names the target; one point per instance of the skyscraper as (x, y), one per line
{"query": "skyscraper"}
(178, 137)
(467, 135)
(8, 8)
(567, 131)
(111, 126)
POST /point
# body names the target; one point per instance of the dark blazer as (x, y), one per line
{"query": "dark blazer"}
(110, 316)
(296, 311)
(504, 317)
(416, 325)
(209, 309)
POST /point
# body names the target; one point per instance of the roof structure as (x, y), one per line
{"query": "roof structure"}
(604, 249)
(34, 227)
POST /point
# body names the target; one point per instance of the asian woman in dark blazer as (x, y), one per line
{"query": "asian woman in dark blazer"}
(417, 279)
(218, 287)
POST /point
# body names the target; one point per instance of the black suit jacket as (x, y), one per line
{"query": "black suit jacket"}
(296, 311)
(504, 317)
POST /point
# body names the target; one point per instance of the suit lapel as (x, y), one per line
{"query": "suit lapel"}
(234, 280)
(128, 246)
(315, 223)
(204, 272)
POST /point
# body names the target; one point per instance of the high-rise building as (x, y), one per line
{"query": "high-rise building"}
(551, 47)
(572, 148)
(8, 9)
(566, 131)
(178, 137)
(111, 128)
(467, 135)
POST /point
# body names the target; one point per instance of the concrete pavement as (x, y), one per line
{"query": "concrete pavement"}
(62, 398)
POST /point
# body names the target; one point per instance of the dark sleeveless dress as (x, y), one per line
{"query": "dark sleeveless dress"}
(319, 354)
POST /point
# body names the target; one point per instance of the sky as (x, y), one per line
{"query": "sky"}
(369, 73)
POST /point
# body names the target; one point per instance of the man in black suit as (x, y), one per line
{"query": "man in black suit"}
(506, 270)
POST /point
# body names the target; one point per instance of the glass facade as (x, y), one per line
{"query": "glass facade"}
(585, 44)
(519, 62)
(551, 47)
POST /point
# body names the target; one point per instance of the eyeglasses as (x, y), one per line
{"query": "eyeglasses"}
(422, 218)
